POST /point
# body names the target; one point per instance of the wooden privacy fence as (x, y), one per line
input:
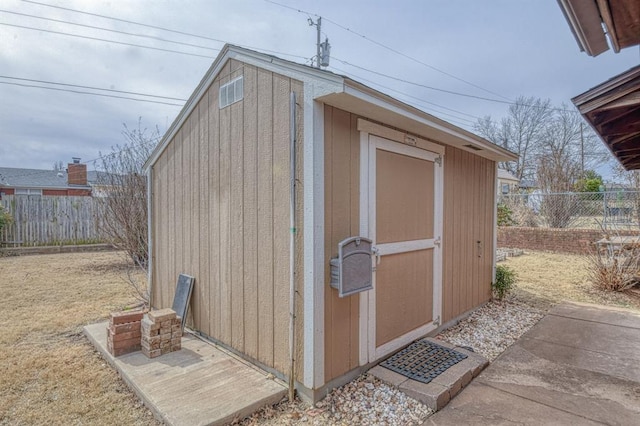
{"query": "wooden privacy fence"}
(51, 220)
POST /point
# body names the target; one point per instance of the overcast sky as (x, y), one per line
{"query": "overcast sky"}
(497, 49)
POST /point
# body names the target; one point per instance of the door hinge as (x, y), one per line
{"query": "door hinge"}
(437, 242)
(438, 160)
(436, 322)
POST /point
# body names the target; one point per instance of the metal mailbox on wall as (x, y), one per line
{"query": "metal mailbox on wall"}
(351, 271)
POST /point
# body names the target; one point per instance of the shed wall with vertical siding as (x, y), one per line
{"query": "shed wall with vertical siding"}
(469, 191)
(220, 212)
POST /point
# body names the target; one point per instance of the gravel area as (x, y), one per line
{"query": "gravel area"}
(364, 401)
(494, 327)
(368, 401)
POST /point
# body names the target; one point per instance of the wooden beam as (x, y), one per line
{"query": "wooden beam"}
(630, 99)
(624, 141)
(628, 151)
(605, 13)
(620, 129)
(600, 118)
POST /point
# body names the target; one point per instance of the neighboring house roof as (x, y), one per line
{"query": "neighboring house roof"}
(36, 178)
(591, 21)
(528, 184)
(344, 93)
(506, 175)
(613, 110)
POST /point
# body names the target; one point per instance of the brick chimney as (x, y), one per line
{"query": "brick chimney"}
(76, 172)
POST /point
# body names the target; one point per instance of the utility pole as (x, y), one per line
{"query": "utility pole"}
(318, 25)
(319, 28)
(322, 49)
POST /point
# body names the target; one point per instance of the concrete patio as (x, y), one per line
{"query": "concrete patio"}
(579, 365)
(198, 385)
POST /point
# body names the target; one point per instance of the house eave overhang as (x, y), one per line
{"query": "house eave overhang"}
(373, 105)
(613, 111)
(592, 22)
(584, 21)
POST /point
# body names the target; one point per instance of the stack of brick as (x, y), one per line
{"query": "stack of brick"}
(161, 332)
(123, 332)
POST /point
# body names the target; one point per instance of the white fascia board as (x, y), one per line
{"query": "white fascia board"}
(150, 236)
(314, 261)
(289, 69)
(423, 118)
(320, 79)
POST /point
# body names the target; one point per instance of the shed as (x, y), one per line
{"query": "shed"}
(365, 164)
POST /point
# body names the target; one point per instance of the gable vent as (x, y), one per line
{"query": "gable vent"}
(473, 147)
(231, 92)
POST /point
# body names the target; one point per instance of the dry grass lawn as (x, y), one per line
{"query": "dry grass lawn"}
(545, 279)
(49, 373)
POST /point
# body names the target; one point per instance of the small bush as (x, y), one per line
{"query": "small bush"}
(505, 279)
(505, 215)
(5, 218)
(614, 271)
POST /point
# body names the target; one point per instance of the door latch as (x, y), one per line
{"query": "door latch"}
(437, 242)
(376, 253)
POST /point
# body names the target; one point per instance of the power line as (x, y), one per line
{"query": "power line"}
(359, 78)
(347, 63)
(142, 24)
(222, 41)
(391, 49)
(105, 40)
(109, 30)
(482, 98)
(451, 92)
(507, 102)
(88, 93)
(93, 88)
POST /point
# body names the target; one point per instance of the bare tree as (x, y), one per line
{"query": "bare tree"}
(58, 166)
(520, 131)
(629, 177)
(561, 162)
(124, 187)
(540, 134)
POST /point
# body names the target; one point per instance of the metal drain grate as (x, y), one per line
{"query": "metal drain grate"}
(423, 360)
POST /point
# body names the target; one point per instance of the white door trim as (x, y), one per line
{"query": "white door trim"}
(364, 231)
(368, 352)
(405, 246)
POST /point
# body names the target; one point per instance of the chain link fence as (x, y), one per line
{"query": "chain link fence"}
(610, 210)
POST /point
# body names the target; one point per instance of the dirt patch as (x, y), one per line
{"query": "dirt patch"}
(49, 373)
(545, 279)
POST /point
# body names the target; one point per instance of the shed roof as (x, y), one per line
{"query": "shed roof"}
(347, 94)
(16, 177)
(613, 110)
